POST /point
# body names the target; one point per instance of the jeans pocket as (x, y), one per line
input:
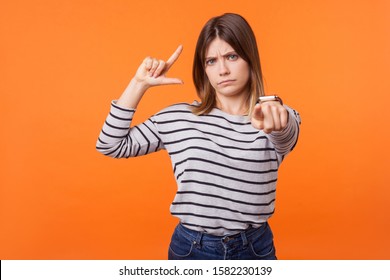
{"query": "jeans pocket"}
(180, 247)
(262, 245)
(263, 251)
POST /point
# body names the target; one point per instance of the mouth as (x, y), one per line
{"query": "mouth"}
(225, 82)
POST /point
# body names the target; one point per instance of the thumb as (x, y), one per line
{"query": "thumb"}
(171, 81)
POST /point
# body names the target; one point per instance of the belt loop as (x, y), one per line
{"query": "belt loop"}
(244, 239)
(198, 239)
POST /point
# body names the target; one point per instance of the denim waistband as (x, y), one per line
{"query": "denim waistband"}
(201, 237)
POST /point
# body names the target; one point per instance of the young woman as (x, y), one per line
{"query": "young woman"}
(225, 150)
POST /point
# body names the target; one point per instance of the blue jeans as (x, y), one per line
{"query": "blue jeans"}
(251, 244)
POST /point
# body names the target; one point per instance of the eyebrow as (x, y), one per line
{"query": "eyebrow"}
(224, 55)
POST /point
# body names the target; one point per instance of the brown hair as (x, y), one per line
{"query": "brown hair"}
(235, 30)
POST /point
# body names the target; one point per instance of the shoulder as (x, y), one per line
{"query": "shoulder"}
(176, 110)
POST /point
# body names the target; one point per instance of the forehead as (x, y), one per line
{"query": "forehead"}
(218, 46)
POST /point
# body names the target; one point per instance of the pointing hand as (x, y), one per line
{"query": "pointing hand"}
(269, 116)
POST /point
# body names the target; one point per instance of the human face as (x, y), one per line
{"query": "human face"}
(227, 72)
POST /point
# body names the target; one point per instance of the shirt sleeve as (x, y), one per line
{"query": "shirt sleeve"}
(284, 141)
(118, 140)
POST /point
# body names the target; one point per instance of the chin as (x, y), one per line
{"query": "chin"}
(230, 93)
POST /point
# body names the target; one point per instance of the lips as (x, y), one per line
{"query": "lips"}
(225, 82)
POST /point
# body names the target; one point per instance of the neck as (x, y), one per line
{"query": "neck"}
(232, 105)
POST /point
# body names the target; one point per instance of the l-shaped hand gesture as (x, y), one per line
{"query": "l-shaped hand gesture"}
(152, 71)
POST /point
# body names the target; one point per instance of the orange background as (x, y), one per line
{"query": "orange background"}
(62, 62)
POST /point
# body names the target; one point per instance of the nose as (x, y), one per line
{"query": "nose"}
(223, 69)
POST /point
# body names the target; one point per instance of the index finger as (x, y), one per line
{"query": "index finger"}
(257, 113)
(174, 57)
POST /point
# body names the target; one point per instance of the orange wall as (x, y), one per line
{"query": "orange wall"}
(61, 63)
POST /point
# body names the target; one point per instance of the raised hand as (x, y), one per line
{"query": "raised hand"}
(269, 116)
(152, 71)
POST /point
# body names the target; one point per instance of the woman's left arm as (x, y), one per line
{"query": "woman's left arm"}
(280, 122)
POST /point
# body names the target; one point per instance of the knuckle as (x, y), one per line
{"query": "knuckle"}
(148, 59)
(154, 64)
(162, 63)
(268, 127)
(282, 109)
(266, 107)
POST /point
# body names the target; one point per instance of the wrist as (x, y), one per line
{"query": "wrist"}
(132, 94)
(138, 86)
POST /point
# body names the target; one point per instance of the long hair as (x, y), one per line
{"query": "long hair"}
(235, 30)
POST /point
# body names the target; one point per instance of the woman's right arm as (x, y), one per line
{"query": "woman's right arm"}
(116, 138)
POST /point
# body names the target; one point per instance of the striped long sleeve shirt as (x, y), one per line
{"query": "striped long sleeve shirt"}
(225, 169)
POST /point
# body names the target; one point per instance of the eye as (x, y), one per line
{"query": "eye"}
(210, 61)
(232, 57)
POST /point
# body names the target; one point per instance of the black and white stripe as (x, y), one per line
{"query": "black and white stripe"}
(226, 170)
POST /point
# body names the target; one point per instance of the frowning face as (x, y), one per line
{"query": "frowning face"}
(227, 72)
